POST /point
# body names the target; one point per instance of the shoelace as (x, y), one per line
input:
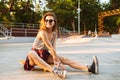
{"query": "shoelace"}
(57, 72)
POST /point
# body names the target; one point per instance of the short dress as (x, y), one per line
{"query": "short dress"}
(41, 50)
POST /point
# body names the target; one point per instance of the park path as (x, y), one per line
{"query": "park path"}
(79, 49)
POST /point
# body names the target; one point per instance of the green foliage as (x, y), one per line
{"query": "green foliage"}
(66, 11)
(118, 21)
(20, 11)
(89, 11)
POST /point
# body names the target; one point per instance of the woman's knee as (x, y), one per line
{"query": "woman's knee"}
(31, 54)
(50, 60)
(31, 58)
(64, 60)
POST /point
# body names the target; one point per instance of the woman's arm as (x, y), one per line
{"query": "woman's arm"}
(54, 40)
(44, 36)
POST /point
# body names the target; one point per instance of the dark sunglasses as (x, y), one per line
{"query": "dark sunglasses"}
(49, 20)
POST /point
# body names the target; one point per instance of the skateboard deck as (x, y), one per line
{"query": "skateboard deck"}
(21, 62)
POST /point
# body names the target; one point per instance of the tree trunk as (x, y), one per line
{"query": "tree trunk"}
(73, 25)
(119, 30)
(11, 4)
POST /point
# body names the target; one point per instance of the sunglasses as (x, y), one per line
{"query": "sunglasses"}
(49, 20)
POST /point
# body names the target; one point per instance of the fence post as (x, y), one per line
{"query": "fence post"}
(10, 32)
(25, 33)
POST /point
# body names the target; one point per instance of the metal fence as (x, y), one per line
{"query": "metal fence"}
(4, 31)
(27, 29)
(20, 25)
(23, 32)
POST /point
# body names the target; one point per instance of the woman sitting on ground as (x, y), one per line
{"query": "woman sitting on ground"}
(43, 51)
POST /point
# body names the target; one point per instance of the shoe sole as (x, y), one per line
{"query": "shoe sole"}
(96, 65)
(65, 74)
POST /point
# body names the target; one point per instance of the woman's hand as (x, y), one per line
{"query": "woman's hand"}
(59, 65)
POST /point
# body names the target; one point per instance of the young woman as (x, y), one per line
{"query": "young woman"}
(43, 51)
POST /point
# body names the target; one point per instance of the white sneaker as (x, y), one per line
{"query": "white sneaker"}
(60, 73)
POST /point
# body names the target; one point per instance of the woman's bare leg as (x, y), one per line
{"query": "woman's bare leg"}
(73, 64)
(50, 60)
(36, 60)
(69, 62)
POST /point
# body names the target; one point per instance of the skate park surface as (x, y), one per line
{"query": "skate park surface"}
(107, 49)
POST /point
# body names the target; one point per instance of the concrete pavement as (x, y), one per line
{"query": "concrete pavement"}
(79, 49)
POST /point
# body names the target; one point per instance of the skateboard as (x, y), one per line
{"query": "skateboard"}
(21, 62)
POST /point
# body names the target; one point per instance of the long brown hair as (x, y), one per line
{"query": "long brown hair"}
(42, 22)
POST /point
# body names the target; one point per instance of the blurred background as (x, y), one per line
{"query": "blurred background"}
(21, 17)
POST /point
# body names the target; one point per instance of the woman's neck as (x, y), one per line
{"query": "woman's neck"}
(49, 30)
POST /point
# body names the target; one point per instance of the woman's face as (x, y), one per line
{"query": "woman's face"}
(49, 22)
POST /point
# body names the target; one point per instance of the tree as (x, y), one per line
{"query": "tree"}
(66, 10)
(30, 11)
(118, 25)
(110, 22)
(18, 11)
(89, 11)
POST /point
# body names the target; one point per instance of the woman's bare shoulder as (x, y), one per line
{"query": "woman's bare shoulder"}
(41, 33)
